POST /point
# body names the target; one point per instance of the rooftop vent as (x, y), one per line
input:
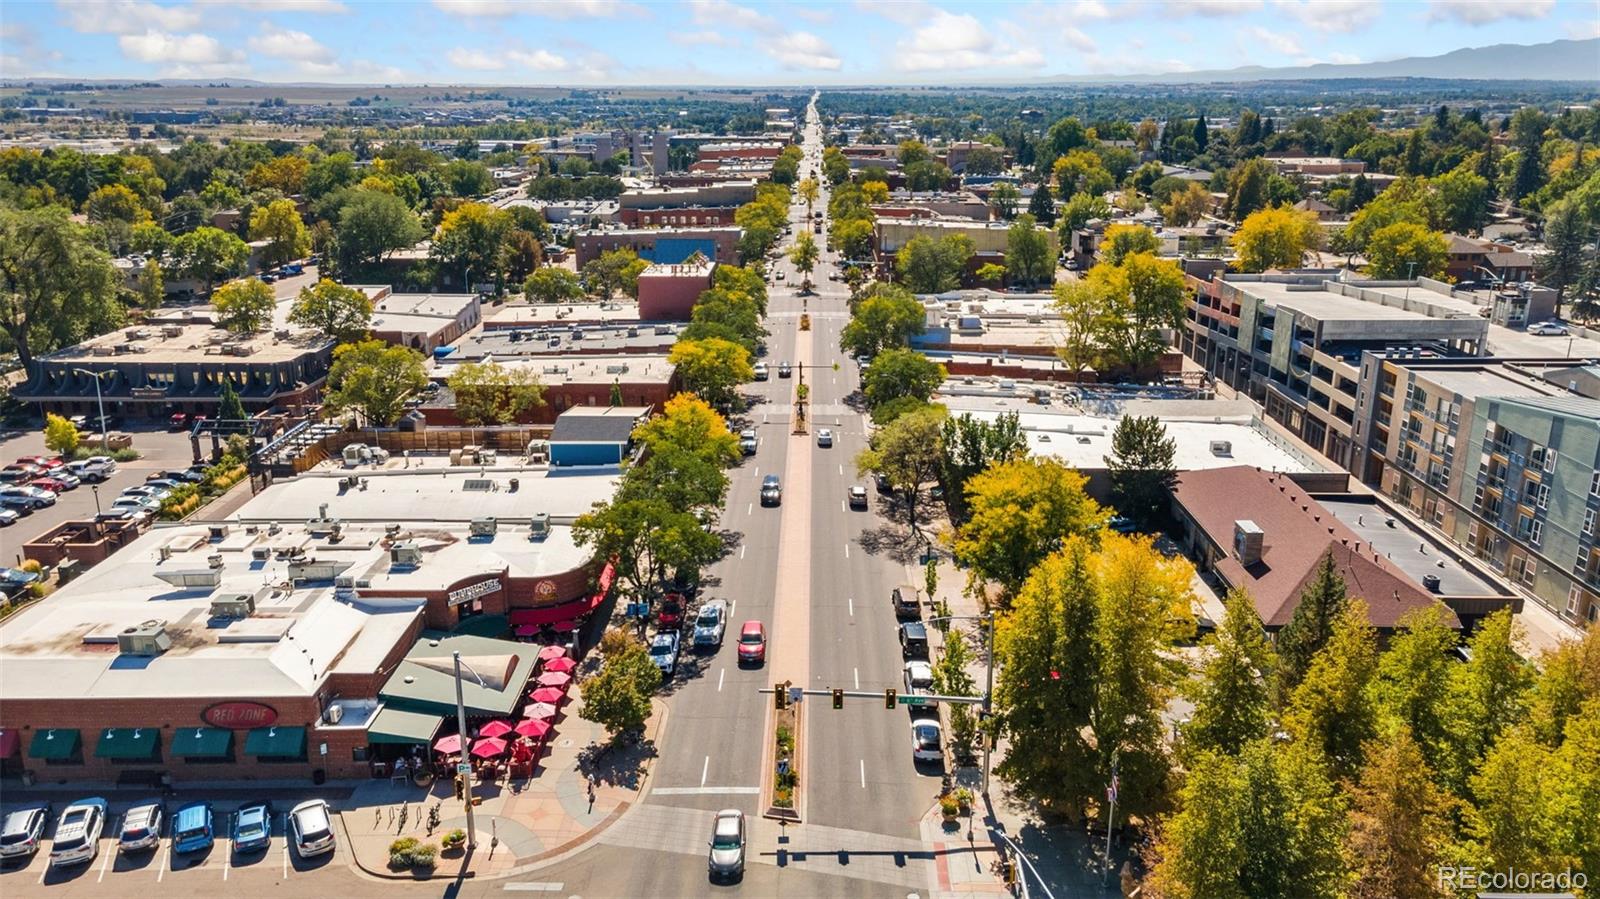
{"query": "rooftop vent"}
(237, 605)
(1248, 539)
(539, 526)
(146, 639)
(405, 555)
(218, 531)
(1222, 447)
(483, 527)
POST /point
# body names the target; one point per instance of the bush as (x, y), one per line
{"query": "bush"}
(455, 837)
(948, 805)
(401, 852)
(126, 454)
(424, 856)
(31, 565)
(399, 859)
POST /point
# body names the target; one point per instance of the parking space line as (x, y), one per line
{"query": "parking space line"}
(286, 860)
(162, 870)
(105, 864)
(43, 871)
(227, 860)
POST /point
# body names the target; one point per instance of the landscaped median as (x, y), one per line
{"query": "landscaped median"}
(780, 785)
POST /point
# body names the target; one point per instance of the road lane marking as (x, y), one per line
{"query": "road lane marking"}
(104, 865)
(749, 508)
(847, 550)
(227, 859)
(863, 774)
(852, 602)
(705, 791)
(731, 606)
(841, 469)
(843, 507)
(162, 871)
(741, 550)
(721, 672)
(532, 887)
(857, 673)
(704, 770)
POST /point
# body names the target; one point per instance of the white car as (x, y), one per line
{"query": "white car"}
(78, 833)
(918, 677)
(94, 469)
(138, 505)
(1548, 329)
(23, 831)
(155, 493)
(761, 371)
(711, 624)
(24, 497)
(141, 828)
(8, 517)
(927, 744)
(311, 828)
(824, 437)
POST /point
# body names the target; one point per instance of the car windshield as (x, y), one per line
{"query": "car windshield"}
(135, 833)
(708, 617)
(750, 637)
(70, 844)
(727, 837)
(661, 649)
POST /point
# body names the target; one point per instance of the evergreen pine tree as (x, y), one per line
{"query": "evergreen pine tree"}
(1042, 205)
(1201, 134)
(1308, 630)
(231, 408)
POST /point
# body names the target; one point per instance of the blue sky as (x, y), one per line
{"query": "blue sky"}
(579, 42)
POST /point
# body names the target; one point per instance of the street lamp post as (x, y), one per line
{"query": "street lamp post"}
(988, 687)
(95, 489)
(461, 723)
(99, 402)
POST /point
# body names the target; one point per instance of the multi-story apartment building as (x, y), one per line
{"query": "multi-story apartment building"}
(1502, 457)
(1293, 343)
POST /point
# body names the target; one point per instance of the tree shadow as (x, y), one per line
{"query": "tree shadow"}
(897, 542)
(617, 765)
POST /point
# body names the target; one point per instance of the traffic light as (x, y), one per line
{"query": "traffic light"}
(461, 787)
(780, 697)
(888, 698)
(838, 699)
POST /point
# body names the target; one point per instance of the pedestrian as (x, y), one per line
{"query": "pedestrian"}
(591, 792)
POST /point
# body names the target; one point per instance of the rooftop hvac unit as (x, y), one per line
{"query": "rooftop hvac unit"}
(391, 531)
(214, 560)
(405, 554)
(239, 605)
(483, 527)
(539, 526)
(1248, 540)
(335, 714)
(218, 531)
(1222, 447)
(345, 581)
(146, 639)
(171, 331)
(314, 569)
(260, 553)
(243, 349)
(192, 577)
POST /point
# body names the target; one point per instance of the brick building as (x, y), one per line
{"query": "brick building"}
(668, 292)
(665, 245)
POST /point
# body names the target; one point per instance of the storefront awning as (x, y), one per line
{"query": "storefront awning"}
(54, 744)
(276, 742)
(567, 611)
(128, 743)
(393, 725)
(10, 740)
(202, 742)
(494, 675)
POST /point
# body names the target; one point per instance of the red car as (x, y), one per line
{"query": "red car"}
(48, 463)
(670, 616)
(54, 485)
(21, 472)
(752, 643)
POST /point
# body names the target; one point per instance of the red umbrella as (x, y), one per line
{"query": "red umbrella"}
(554, 679)
(552, 652)
(540, 711)
(562, 664)
(564, 626)
(489, 747)
(525, 630)
(450, 744)
(548, 694)
(495, 729)
(534, 727)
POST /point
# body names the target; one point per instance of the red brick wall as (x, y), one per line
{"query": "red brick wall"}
(560, 397)
(689, 216)
(670, 297)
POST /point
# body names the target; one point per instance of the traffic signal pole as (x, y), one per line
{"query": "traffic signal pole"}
(904, 699)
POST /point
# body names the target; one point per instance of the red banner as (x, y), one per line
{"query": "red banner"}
(240, 715)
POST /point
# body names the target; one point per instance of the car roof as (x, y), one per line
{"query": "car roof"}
(187, 814)
(20, 819)
(142, 814)
(914, 629)
(664, 639)
(750, 627)
(728, 822)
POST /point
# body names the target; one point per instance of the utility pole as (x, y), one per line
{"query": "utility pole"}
(988, 699)
(461, 723)
(99, 402)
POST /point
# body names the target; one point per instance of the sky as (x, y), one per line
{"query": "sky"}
(721, 42)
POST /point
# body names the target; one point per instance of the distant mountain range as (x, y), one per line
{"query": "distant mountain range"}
(1564, 60)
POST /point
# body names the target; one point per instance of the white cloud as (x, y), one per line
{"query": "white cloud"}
(559, 9)
(1210, 7)
(178, 49)
(1342, 17)
(909, 13)
(952, 41)
(723, 14)
(1582, 31)
(707, 38)
(537, 60)
(1482, 12)
(285, 44)
(812, 15)
(300, 6)
(1276, 41)
(127, 17)
(475, 60)
(802, 50)
(1105, 9)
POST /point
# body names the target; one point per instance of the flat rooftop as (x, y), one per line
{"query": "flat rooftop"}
(1485, 380)
(171, 344)
(1409, 549)
(449, 494)
(1322, 304)
(635, 368)
(1084, 440)
(560, 314)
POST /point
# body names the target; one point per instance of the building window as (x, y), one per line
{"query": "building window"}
(1588, 522)
(1573, 596)
(1550, 460)
(1594, 485)
(1535, 531)
(1542, 496)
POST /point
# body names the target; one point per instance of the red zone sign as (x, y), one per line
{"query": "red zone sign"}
(240, 715)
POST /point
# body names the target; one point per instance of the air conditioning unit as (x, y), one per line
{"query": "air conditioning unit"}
(214, 560)
(1248, 541)
(239, 605)
(345, 582)
(218, 531)
(1222, 447)
(405, 554)
(146, 639)
(335, 714)
(260, 553)
(483, 527)
(539, 526)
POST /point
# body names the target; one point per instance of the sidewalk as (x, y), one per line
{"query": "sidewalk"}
(518, 824)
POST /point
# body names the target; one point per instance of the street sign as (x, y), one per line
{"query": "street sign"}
(914, 700)
(464, 768)
(638, 609)
(796, 695)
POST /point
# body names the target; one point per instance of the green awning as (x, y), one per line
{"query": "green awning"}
(128, 743)
(54, 744)
(202, 742)
(278, 742)
(392, 725)
(494, 626)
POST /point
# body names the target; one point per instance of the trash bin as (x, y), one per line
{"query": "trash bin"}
(319, 776)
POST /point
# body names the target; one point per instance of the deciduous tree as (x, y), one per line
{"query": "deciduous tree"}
(1399, 829)
(1028, 257)
(279, 223)
(342, 313)
(210, 254)
(1231, 692)
(244, 306)
(60, 435)
(56, 286)
(688, 422)
(1406, 250)
(1020, 512)
(373, 224)
(614, 270)
(929, 265)
(618, 698)
(488, 393)
(552, 285)
(970, 445)
(713, 368)
(884, 317)
(471, 240)
(1276, 238)
(375, 379)
(906, 452)
(898, 373)
(1331, 709)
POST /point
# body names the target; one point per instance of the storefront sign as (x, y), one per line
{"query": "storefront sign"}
(240, 715)
(473, 591)
(544, 589)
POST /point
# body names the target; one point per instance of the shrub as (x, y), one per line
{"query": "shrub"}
(31, 565)
(948, 805)
(424, 856)
(402, 851)
(455, 837)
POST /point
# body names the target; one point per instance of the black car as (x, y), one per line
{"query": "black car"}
(914, 640)
(784, 370)
(883, 483)
(771, 492)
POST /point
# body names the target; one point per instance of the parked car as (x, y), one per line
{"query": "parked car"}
(167, 484)
(883, 483)
(785, 370)
(711, 624)
(1548, 329)
(748, 441)
(15, 580)
(191, 828)
(22, 497)
(914, 640)
(141, 827)
(78, 830)
(48, 463)
(771, 491)
(156, 493)
(906, 601)
(9, 517)
(761, 371)
(858, 497)
(926, 741)
(752, 643)
(120, 513)
(50, 484)
(1122, 524)
(23, 831)
(177, 476)
(726, 858)
(670, 615)
(918, 677)
(252, 827)
(21, 473)
(824, 437)
(664, 652)
(94, 468)
(311, 828)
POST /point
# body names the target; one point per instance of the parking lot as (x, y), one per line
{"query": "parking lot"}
(195, 873)
(160, 449)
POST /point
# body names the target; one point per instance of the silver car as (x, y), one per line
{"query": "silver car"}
(22, 832)
(141, 828)
(711, 624)
(311, 828)
(726, 859)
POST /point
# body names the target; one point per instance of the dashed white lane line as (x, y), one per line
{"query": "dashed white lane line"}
(721, 673)
(749, 508)
(741, 551)
(847, 550)
(704, 770)
(852, 602)
(863, 774)
(857, 673)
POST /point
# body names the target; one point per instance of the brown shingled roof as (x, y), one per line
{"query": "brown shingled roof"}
(1297, 534)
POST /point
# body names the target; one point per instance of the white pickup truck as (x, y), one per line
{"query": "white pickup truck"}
(94, 468)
